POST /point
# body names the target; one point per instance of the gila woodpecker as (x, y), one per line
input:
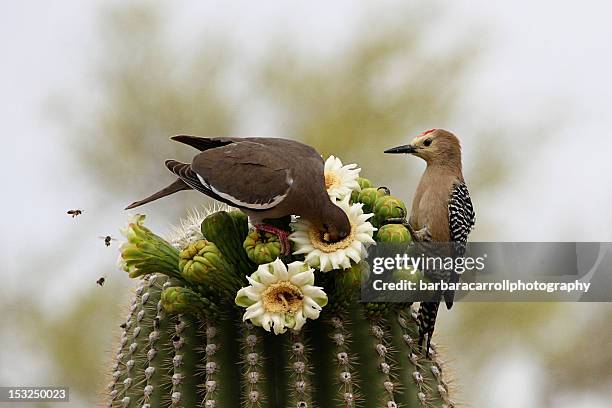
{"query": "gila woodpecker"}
(441, 210)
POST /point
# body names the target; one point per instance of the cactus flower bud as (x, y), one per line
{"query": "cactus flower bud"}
(200, 260)
(368, 197)
(262, 248)
(363, 184)
(394, 234)
(387, 207)
(145, 253)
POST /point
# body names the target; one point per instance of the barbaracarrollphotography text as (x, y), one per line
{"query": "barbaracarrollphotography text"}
(491, 271)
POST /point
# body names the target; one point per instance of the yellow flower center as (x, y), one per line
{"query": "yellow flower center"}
(331, 180)
(282, 297)
(322, 244)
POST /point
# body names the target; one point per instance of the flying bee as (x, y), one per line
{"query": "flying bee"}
(74, 213)
(107, 240)
(101, 281)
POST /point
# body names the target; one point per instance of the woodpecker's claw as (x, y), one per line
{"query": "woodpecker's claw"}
(385, 189)
(422, 235)
(397, 220)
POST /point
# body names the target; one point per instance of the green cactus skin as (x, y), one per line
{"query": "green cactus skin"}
(241, 221)
(253, 392)
(180, 348)
(300, 372)
(345, 373)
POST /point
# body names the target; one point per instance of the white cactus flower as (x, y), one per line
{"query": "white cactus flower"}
(326, 255)
(340, 180)
(281, 296)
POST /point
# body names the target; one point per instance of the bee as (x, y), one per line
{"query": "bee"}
(107, 240)
(156, 322)
(74, 213)
(123, 325)
(101, 281)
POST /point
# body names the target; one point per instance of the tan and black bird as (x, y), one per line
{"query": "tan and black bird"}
(442, 210)
(267, 178)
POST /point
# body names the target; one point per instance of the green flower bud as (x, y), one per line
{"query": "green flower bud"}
(387, 207)
(202, 262)
(368, 197)
(179, 300)
(145, 253)
(363, 183)
(393, 233)
(262, 248)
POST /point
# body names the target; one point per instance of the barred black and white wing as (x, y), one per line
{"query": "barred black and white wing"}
(461, 217)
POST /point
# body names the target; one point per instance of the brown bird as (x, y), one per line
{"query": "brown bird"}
(442, 210)
(267, 178)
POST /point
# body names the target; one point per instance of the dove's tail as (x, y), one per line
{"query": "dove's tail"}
(178, 185)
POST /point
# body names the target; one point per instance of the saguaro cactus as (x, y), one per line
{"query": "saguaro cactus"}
(188, 342)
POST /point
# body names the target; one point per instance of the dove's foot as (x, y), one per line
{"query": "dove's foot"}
(283, 236)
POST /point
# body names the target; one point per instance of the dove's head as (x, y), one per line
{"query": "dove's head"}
(334, 224)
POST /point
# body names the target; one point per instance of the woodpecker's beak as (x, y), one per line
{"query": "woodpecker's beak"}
(401, 149)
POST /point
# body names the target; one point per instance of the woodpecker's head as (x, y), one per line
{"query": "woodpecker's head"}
(435, 146)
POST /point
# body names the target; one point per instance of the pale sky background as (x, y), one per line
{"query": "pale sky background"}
(547, 62)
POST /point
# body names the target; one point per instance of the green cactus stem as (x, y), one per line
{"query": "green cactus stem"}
(300, 371)
(160, 333)
(345, 373)
(119, 368)
(253, 392)
(181, 300)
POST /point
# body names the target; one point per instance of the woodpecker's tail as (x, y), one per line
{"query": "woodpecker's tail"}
(178, 185)
(426, 320)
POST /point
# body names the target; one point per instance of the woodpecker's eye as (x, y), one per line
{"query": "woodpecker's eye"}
(427, 143)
